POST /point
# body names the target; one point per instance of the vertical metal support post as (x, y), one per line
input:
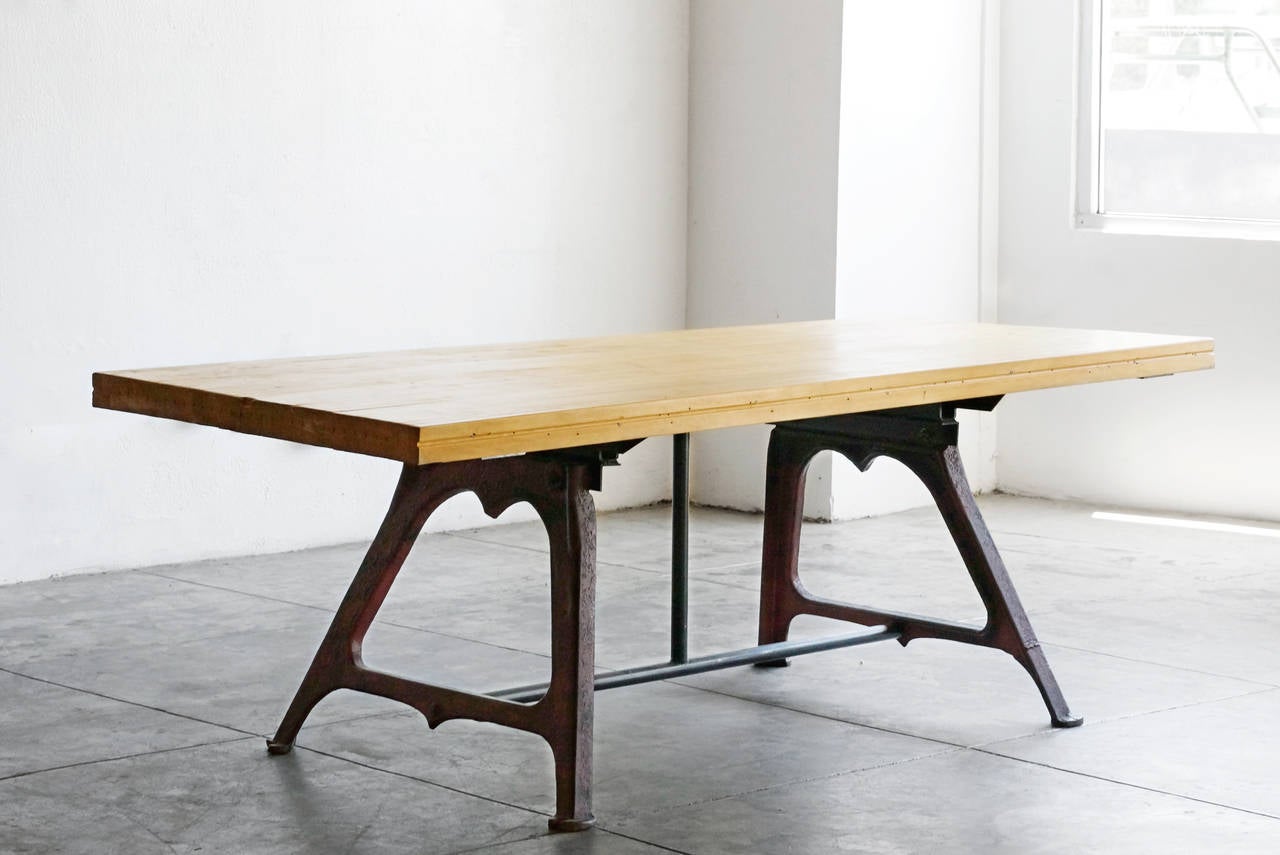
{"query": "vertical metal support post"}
(680, 549)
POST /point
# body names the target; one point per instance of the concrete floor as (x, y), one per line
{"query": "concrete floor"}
(133, 704)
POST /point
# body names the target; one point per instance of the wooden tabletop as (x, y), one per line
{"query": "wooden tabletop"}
(459, 403)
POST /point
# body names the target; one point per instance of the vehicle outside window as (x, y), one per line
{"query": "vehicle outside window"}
(1182, 118)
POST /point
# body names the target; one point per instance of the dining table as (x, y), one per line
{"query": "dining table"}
(539, 422)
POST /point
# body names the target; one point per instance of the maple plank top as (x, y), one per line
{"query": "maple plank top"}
(459, 403)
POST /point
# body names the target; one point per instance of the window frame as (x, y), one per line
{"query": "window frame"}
(1087, 170)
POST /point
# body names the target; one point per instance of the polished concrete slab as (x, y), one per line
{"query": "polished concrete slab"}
(132, 704)
(964, 801)
(234, 798)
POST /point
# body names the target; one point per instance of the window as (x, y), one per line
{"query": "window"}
(1179, 115)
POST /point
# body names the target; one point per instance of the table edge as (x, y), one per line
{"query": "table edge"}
(436, 448)
(351, 432)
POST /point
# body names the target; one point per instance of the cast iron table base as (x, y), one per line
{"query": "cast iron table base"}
(558, 485)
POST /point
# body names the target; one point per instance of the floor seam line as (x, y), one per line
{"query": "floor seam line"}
(139, 704)
(598, 828)
(624, 565)
(134, 756)
(824, 716)
(1128, 784)
(1202, 673)
(504, 545)
(952, 749)
(328, 611)
(492, 847)
(1128, 717)
(419, 780)
(644, 842)
(664, 572)
(243, 734)
(237, 591)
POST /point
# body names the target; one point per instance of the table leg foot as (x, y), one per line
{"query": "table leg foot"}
(1035, 663)
(322, 678)
(561, 826)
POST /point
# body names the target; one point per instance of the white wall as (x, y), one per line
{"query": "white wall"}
(197, 181)
(835, 171)
(909, 239)
(1202, 442)
(763, 148)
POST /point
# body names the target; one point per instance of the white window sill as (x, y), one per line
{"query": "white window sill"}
(1128, 224)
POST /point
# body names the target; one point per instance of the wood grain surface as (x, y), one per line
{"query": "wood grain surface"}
(461, 403)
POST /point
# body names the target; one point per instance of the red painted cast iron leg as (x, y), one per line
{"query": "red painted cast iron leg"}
(783, 516)
(571, 695)
(559, 489)
(923, 438)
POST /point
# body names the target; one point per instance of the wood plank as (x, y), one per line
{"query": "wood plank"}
(459, 403)
(339, 431)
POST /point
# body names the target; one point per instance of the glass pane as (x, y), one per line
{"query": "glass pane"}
(1190, 108)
